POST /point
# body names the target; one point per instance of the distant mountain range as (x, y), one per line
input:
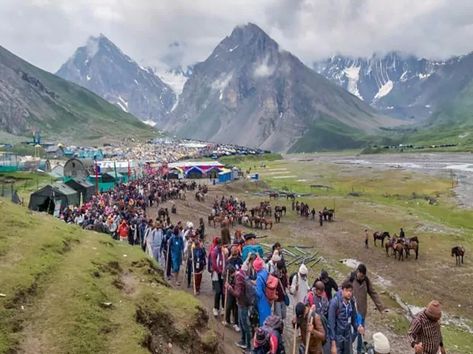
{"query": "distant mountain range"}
(400, 85)
(31, 99)
(100, 66)
(251, 92)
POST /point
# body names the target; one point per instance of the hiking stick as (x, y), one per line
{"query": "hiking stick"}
(294, 340)
(167, 260)
(193, 269)
(307, 340)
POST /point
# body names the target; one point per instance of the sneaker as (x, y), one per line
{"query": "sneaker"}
(236, 328)
(241, 345)
(215, 312)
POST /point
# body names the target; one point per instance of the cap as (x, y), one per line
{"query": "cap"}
(434, 310)
(249, 236)
(381, 343)
(258, 264)
(324, 275)
(303, 270)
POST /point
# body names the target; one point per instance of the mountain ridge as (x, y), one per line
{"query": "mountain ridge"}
(106, 70)
(248, 84)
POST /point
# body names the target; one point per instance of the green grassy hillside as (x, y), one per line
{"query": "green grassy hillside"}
(65, 290)
(31, 98)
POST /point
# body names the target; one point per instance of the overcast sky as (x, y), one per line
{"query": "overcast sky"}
(46, 32)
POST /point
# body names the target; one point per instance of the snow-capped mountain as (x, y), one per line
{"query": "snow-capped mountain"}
(103, 68)
(400, 85)
(250, 92)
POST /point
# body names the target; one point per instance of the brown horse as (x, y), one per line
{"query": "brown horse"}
(412, 244)
(390, 244)
(266, 222)
(458, 252)
(380, 236)
(398, 248)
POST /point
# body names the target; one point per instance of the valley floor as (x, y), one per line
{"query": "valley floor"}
(377, 199)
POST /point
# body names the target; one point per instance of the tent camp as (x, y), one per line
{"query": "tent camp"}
(79, 168)
(85, 189)
(194, 172)
(53, 197)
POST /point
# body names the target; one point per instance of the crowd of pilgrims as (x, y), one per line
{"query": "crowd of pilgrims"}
(252, 290)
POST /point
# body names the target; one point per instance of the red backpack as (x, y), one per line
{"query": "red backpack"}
(271, 288)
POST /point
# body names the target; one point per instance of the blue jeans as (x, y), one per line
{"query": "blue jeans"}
(244, 326)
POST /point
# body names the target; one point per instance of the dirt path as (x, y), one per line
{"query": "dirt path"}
(340, 239)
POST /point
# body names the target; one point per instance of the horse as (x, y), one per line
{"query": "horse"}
(274, 195)
(266, 222)
(458, 252)
(390, 244)
(380, 236)
(412, 244)
(200, 197)
(398, 248)
(290, 196)
(328, 214)
(277, 217)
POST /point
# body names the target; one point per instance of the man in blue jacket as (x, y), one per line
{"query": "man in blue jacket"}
(342, 318)
(262, 303)
(251, 247)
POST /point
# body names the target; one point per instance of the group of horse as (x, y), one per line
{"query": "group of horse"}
(259, 217)
(399, 247)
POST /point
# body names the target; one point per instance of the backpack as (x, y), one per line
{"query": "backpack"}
(271, 288)
(271, 328)
(250, 292)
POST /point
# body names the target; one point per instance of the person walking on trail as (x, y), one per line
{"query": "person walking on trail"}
(243, 290)
(316, 297)
(200, 260)
(280, 307)
(343, 318)
(262, 303)
(329, 283)
(154, 242)
(366, 238)
(188, 252)
(309, 322)
(232, 307)
(166, 246)
(362, 287)
(321, 218)
(251, 247)
(269, 337)
(123, 230)
(217, 265)
(424, 333)
(299, 285)
(176, 248)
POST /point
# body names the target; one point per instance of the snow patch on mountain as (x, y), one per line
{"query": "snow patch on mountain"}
(150, 123)
(175, 80)
(353, 75)
(384, 90)
(222, 82)
(263, 69)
